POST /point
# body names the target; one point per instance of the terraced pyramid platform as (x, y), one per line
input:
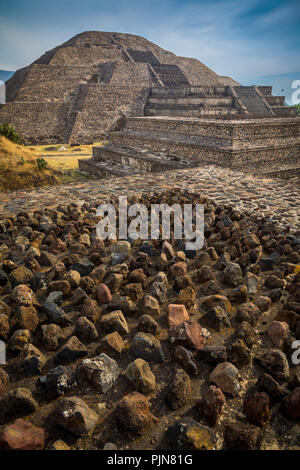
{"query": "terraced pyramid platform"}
(154, 144)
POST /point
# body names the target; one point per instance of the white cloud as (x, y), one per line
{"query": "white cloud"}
(217, 33)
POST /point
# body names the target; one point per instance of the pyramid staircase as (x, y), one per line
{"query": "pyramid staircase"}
(187, 101)
(276, 103)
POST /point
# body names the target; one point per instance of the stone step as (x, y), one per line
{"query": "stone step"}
(102, 169)
(288, 170)
(253, 101)
(189, 111)
(170, 75)
(265, 90)
(141, 139)
(285, 111)
(139, 159)
(249, 131)
(191, 100)
(184, 91)
(275, 100)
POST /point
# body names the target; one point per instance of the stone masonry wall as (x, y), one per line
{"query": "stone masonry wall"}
(103, 106)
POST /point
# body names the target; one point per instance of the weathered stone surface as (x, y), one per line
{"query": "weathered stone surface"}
(189, 334)
(114, 321)
(4, 380)
(275, 362)
(20, 275)
(257, 409)
(73, 278)
(58, 445)
(51, 336)
(263, 303)
(25, 318)
(291, 405)
(104, 294)
(141, 376)
(177, 314)
(218, 301)
(239, 294)
(247, 333)
(23, 295)
(233, 276)
(4, 327)
(16, 404)
(188, 434)
(211, 404)
(179, 390)
(134, 291)
(90, 309)
(241, 436)
(185, 359)
(85, 329)
(150, 306)
(239, 353)
(73, 349)
(216, 318)
(225, 376)
(147, 324)
(22, 435)
(123, 303)
(100, 371)
(277, 332)
(74, 415)
(133, 414)
(57, 382)
(147, 347)
(248, 312)
(31, 360)
(56, 315)
(269, 385)
(227, 229)
(213, 354)
(112, 344)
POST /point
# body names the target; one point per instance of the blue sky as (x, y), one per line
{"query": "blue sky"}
(250, 40)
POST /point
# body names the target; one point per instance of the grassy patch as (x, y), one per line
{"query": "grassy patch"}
(74, 176)
(19, 168)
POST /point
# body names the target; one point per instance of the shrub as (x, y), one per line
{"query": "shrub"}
(41, 163)
(9, 132)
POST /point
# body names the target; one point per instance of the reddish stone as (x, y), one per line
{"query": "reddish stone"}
(137, 276)
(291, 405)
(103, 293)
(277, 332)
(177, 314)
(112, 344)
(22, 435)
(189, 334)
(211, 404)
(178, 269)
(133, 414)
(58, 246)
(60, 285)
(4, 380)
(134, 291)
(257, 409)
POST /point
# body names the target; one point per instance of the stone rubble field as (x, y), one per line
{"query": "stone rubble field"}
(275, 198)
(145, 345)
